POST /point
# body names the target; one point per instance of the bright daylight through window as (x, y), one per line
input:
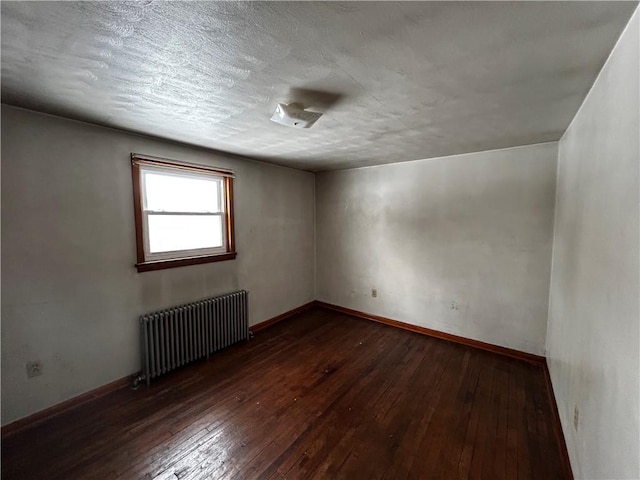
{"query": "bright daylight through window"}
(184, 213)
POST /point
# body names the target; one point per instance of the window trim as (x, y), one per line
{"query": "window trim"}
(145, 265)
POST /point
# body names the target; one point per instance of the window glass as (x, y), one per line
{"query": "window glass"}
(169, 233)
(181, 193)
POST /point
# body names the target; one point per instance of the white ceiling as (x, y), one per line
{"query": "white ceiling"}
(415, 79)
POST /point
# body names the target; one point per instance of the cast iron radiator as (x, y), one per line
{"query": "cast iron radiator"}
(176, 336)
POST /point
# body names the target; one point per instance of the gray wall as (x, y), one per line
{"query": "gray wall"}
(593, 332)
(70, 292)
(459, 244)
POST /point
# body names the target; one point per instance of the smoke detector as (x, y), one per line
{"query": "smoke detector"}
(294, 115)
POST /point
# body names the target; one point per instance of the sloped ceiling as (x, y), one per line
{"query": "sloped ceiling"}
(397, 80)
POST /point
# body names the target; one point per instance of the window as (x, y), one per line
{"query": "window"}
(183, 213)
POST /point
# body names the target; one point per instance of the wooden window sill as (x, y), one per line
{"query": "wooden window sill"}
(183, 262)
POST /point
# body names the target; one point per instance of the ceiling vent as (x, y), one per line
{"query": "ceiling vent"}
(294, 115)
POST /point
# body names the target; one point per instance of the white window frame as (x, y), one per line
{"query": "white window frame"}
(170, 255)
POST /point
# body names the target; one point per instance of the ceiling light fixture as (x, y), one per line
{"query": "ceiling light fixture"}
(294, 115)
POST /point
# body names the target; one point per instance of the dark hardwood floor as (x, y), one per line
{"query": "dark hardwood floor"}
(319, 396)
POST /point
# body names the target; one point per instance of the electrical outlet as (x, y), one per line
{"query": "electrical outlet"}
(374, 292)
(576, 417)
(34, 368)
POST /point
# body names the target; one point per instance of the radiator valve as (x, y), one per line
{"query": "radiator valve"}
(137, 381)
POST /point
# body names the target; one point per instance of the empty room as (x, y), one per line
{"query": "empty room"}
(320, 240)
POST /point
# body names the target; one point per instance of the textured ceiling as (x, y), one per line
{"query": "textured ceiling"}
(406, 80)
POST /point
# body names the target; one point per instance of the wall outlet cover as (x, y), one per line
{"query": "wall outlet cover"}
(34, 369)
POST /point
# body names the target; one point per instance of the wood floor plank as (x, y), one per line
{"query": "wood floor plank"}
(321, 395)
(487, 415)
(473, 440)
